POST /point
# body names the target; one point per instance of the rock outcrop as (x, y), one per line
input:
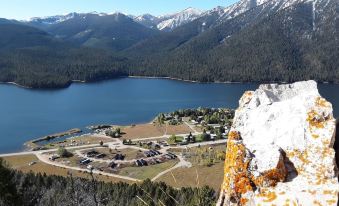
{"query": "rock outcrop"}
(280, 149)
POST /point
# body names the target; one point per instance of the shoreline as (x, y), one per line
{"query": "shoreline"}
(166, 78)
(16, 84)
(185, 80)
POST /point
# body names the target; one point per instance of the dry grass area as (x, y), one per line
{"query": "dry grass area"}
(178, 129)
(145, 172)
(198, 128)
(153, 130)
(143, 131)
(187, 177)
(21, 163)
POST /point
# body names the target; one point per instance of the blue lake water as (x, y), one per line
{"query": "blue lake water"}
(26, 114)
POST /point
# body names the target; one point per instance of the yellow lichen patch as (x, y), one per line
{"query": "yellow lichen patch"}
(331, 202)
(312, 192)
(303, 158)
(321, 102)
(326, 142)
(234, 135)
(315, 120)
(287, 202)
(315, 202)
(330, 192)
(268, 196)
(315, 136)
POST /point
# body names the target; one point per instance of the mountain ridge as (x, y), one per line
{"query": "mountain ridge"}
(262, 41)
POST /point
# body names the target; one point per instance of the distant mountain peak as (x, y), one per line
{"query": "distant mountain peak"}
(172, 21)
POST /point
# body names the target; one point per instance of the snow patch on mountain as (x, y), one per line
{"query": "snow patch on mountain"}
(169, 22)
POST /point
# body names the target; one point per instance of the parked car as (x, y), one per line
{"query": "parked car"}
(100, 156)
(138, 163)
(85, 161)
(32, 163)
(143, 162)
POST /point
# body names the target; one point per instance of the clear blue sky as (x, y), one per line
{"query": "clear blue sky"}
(24, 9)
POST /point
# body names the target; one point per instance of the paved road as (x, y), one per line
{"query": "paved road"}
(44, 158)
(182, 163)
(44, 151)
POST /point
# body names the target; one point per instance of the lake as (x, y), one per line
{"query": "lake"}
(26, 114)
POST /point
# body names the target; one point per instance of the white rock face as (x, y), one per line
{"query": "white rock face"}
(282, 143)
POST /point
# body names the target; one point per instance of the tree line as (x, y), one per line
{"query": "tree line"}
(30, 189)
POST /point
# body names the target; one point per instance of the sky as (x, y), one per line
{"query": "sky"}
(25, 9)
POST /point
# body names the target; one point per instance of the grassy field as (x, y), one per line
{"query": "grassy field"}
(207, 175)
(21, 163)
(143, 173)
(187, 177)
(178, 129)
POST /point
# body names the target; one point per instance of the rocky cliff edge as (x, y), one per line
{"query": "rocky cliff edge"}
(280, 148)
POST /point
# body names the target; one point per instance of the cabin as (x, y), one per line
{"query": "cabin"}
(215, 126)
(194, 122)
(168, 117)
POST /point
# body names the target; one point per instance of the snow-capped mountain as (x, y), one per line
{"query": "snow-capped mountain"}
(172, 21)
(165, 22)
(52, 19)
(147, 20)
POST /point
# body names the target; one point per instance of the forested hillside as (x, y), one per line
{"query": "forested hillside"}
(262, 41)
(28, 189)
(42, 67)
(264, 44)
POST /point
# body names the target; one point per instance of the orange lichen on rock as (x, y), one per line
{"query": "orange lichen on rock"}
(268, 196)
(233, 135)
(246, 98)
(286, 156)
(236, 180)
(243, 201)
(271, 177)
